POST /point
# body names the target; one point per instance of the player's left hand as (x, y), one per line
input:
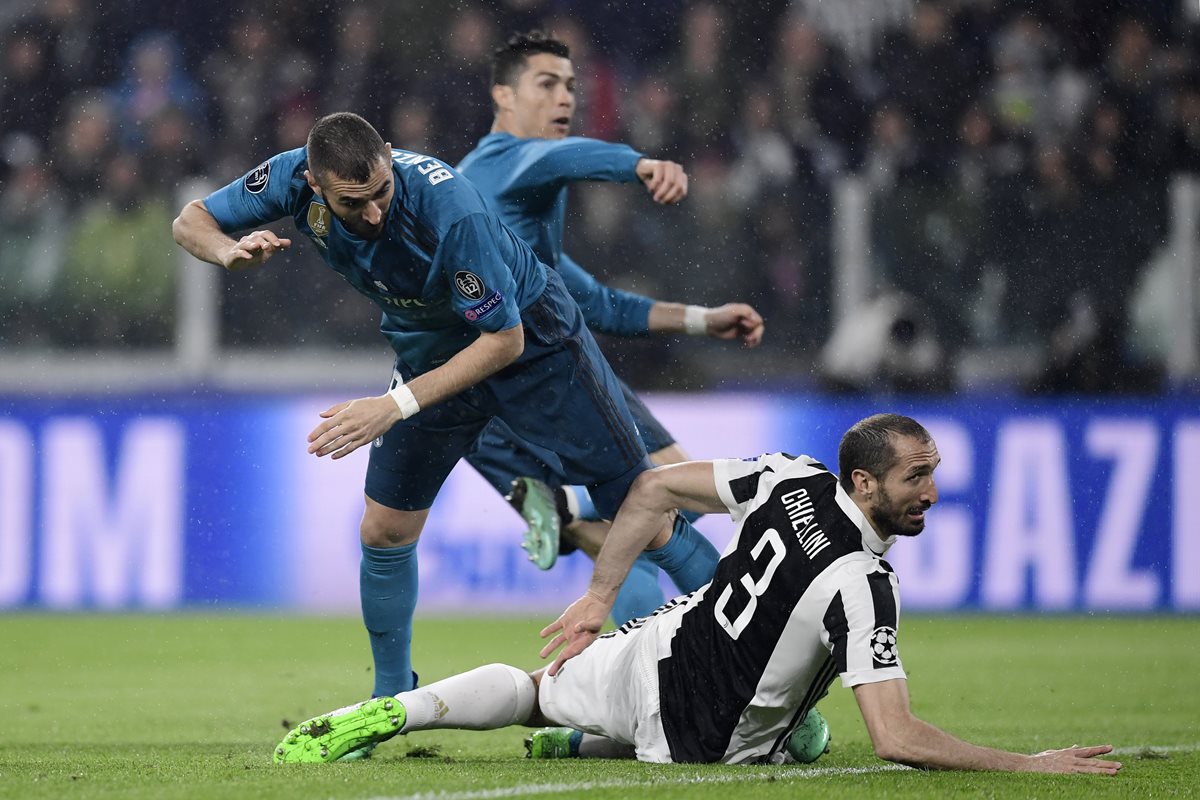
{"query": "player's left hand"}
(665, 180)
(735, 321)
(350, 425)
(1075, 759)
(578, 627)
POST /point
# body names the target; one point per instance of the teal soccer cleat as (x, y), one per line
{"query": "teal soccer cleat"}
(553, 743)
(333, 735)
(534, 501)
(358, 755)
(811, 740)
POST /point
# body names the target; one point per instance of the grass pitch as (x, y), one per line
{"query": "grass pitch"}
(192, 706)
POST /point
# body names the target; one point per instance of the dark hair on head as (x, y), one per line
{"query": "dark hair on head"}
(508, 61)
(868, 445)
(345, 145)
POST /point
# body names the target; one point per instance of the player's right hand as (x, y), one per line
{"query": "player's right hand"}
(253, 249)
(578, 627)
(1075, 759)
(665, 180)
(735, 321)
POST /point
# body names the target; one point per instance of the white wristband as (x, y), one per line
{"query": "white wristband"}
(694, 322)
(405, 400)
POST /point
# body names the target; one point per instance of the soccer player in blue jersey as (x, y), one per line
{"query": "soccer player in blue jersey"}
(523, 168)
(481, 330)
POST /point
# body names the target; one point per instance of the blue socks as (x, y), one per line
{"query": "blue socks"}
(387, 583)
(640, 593)
(687, 557)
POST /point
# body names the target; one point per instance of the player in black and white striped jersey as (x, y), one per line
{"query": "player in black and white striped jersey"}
(801, 595)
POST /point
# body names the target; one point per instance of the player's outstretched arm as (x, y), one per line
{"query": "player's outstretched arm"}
(196, 231)
(729, 321)
(644, 520)
(347, 426)
(666, 181)
(899, 736)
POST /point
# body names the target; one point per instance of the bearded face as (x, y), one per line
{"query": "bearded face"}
(899, 500)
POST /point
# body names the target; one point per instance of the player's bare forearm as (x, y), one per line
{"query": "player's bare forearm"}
(196, 231)
(928, 747)
(728, 321)
(900, 737)
(666, 317)
(485, 356)
(348, 426)
(644, 519)
(646, 516)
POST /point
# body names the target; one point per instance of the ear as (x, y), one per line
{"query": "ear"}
(312, 184)
(864, 483)
(502, 96)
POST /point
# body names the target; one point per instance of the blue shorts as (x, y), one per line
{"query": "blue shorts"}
(560, 396)
(500, 455)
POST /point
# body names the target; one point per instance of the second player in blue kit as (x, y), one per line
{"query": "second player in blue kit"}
(523, 168)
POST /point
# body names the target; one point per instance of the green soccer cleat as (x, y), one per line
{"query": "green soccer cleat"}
(534, 501)
(811, 740)
(553, 743)
(333, 735)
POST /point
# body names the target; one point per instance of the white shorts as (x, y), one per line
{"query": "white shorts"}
(611, 689)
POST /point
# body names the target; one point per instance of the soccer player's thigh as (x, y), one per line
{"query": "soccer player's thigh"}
(409, 463)
(501, 456)
(654, 434)
(567, 399)
(611, 689)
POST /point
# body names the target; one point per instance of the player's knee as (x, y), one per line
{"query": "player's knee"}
(383, 527)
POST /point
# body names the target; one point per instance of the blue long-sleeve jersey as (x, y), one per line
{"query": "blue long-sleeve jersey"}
(525, 180)
(444, 269)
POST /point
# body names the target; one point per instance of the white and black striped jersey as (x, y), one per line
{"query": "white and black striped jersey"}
(800, 596)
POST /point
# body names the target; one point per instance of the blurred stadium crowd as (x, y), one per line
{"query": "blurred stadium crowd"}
(1017, 155)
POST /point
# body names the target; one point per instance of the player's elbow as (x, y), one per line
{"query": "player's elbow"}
(895, 743)
(177, 229)
(889, 750)
(183, 223)
(506, 346)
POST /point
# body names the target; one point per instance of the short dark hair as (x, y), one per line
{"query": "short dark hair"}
(509, 60)
(345, 145)
(868, 445)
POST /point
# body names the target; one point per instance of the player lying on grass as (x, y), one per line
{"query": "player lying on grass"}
(728, 673)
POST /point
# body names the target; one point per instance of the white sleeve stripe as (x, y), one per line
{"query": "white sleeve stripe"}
(852, 678)
(724, 473)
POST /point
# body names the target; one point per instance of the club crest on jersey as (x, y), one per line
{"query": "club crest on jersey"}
(256, 179)
(469, 285)
(318, 219)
